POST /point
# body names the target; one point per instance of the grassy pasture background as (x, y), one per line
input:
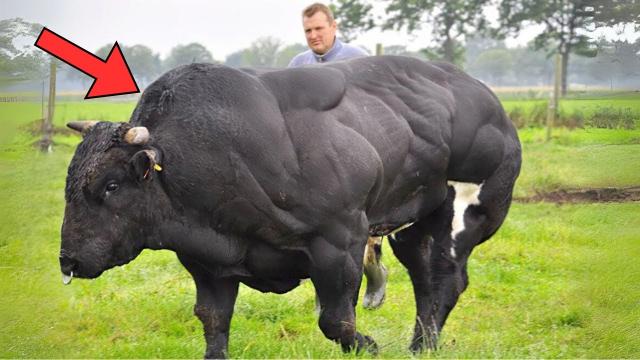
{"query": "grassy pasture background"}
(555, 281)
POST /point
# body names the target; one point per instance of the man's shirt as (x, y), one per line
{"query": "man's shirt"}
(339, 51)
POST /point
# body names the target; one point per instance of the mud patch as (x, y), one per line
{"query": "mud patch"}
(570, 196)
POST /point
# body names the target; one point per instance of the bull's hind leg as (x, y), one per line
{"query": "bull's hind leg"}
(336, 273)
(414, 247)
(436, 249)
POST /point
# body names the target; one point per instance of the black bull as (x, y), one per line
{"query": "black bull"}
(268, 177)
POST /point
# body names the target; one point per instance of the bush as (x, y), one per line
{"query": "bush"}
(609, 117)
(518, 117)
(604, 117)
(571, 121)
(538, 115)
(533, 94)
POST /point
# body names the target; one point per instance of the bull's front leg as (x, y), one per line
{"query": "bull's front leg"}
(336, 273)
(214, 307)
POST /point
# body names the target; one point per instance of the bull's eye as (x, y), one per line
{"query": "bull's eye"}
(112, 187)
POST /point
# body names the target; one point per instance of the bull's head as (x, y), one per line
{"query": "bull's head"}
(109, 196)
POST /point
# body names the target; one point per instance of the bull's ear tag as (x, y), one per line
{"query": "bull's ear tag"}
(157, 167)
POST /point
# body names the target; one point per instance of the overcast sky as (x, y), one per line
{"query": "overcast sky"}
(223, 26)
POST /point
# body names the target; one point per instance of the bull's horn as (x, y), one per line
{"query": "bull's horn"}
(138, 135)
(81, 126)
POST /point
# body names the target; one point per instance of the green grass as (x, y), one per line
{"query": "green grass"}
(17, 119)
(587, 106)
(93, 110)
(555, 282)
(581, 158)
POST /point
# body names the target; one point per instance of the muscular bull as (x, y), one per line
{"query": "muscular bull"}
(268, 177)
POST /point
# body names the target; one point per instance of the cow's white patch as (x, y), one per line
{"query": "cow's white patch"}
(465, 194)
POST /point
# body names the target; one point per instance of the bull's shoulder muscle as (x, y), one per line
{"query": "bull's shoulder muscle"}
(316, 88)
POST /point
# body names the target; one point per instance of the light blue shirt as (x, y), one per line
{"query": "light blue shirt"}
(339, 51)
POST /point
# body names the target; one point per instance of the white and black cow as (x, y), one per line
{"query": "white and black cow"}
(269, 177)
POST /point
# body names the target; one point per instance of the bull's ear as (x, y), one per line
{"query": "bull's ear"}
(143, 164)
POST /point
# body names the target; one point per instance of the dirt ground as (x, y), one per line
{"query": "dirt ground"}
(586, 195)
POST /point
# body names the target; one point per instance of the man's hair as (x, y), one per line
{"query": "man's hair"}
(310, 10)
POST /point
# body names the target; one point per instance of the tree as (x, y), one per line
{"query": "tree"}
(491, 61)
(353, 17)
(493, 65)
(531, 66)
(611, 13)
(477, 44)
(143, 62)
(263, 52)
(20, 63)
(402, 51)
(450, 21)
(74, 74)
(452, 51)
(617, 64)
(187, 54)
(236, 59)
(284, 56)
(567, 23)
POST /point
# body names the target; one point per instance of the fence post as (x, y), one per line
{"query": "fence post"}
(552, 112)
(47, 124)
(379, 49)
(42, 101)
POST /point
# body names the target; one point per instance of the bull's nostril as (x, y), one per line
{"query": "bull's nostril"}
(67, 264)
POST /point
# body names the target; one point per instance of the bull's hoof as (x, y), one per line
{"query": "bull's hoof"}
(369, 345)
(363, 342)
(420, 344)
(215, 354)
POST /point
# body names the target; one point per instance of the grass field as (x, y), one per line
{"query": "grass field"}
(586, 158)
(556, 281)
(588, 106)
(608, 109)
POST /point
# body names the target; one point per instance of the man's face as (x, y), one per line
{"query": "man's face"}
(319, 32)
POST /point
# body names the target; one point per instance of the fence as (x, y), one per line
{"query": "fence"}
(11, 99)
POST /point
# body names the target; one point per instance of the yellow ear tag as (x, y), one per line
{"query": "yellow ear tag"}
(157, 167)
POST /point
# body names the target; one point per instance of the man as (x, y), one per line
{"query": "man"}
(320, 31)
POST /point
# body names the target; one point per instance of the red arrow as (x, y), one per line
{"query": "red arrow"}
(112, 77)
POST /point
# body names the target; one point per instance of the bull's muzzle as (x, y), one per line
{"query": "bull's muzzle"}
(67, 266)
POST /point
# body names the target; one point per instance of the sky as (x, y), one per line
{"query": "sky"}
(222, 26)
